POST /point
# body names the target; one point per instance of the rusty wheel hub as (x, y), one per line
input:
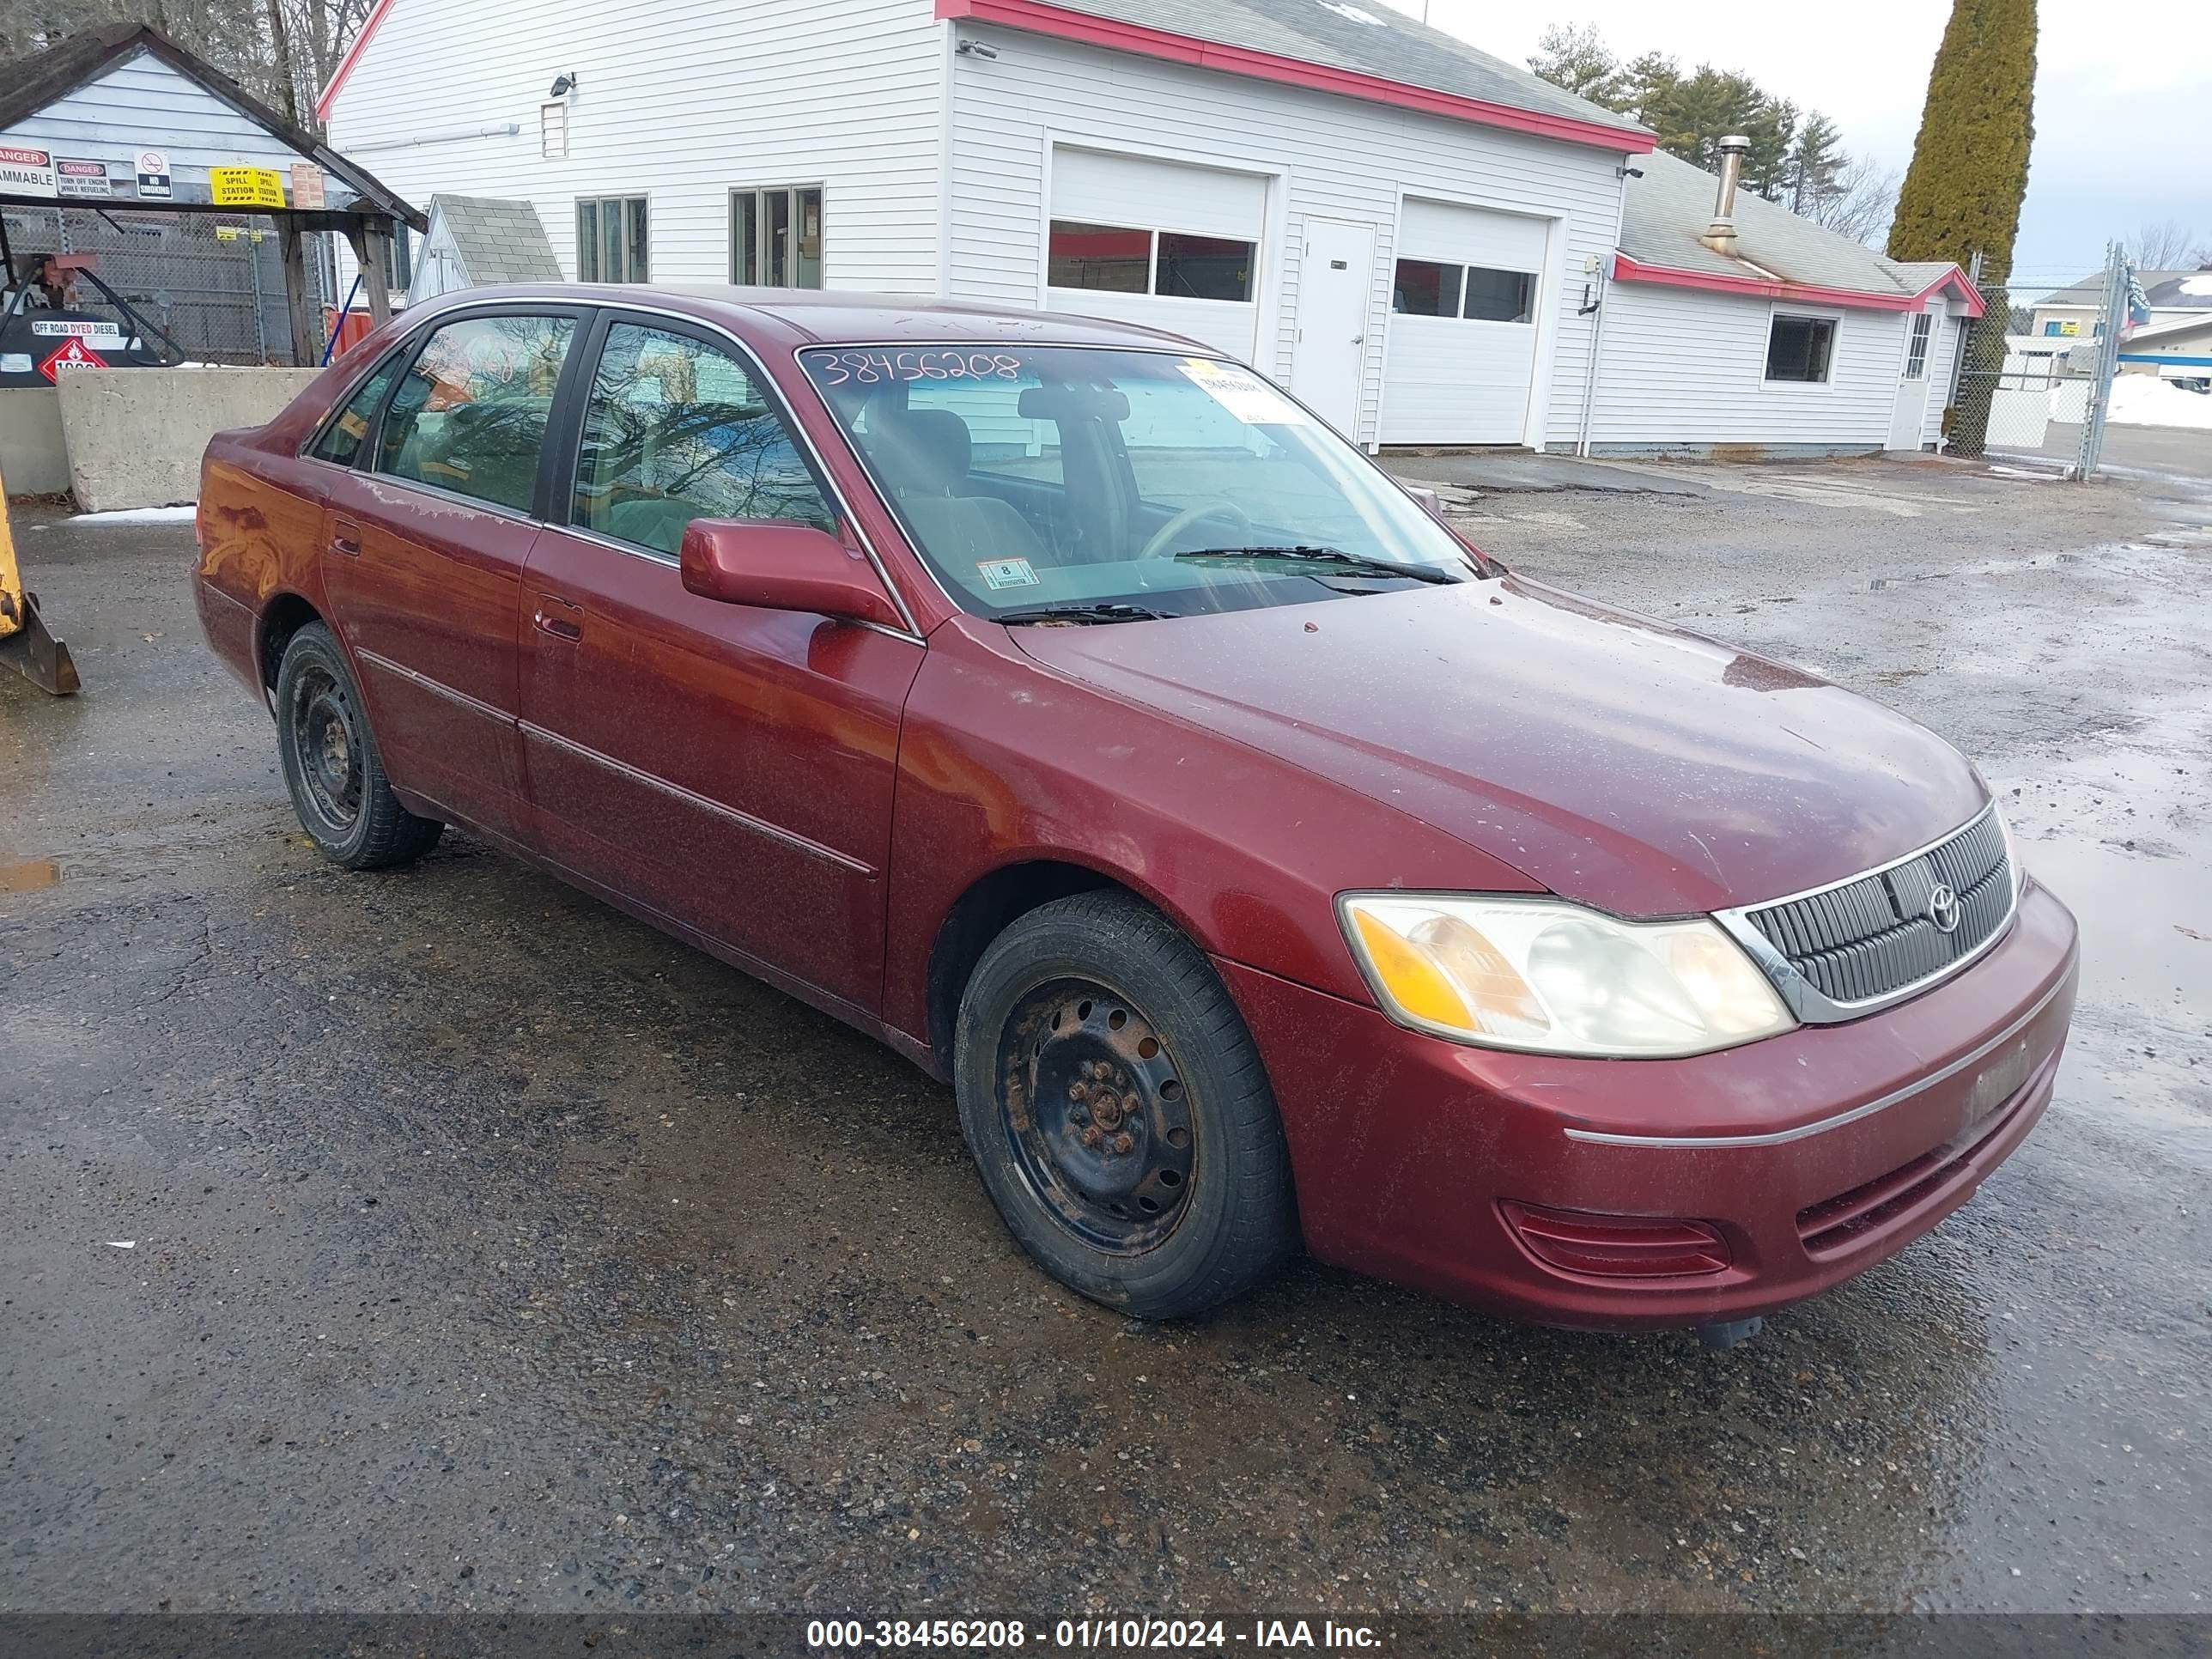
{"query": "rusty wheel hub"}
(1097, 1115)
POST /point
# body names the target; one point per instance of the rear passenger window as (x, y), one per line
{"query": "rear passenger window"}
(342, 438)
(471, 414)
(677, 430)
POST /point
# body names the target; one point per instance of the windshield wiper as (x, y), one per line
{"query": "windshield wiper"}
(1111, 611)
(1356, 564)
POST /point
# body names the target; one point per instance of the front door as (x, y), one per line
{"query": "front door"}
(424, 551)
(1909, 413)
(1336, 284)
(728, 767)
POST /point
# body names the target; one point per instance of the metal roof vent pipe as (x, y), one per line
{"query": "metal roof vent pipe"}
(1720, 235)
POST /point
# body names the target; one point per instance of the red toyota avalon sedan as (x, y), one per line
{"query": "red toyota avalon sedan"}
(1063, 705)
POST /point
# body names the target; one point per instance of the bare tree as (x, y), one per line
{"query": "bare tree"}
(1858, 203)
(2168, 245)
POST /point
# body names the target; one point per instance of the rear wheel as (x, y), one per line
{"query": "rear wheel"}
(1118, 1110)
(331, 764)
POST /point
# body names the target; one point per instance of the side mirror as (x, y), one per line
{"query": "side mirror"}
(1428, 499)
(779, 565)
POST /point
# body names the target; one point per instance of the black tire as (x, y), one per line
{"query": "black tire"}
(1075, 1127)
(331, 764)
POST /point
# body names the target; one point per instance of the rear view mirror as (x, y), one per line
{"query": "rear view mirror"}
(1073, 402)
(779, 565)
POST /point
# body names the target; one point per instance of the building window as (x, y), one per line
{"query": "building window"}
(775, 237)
(2053, 328)
(1916, 349)
(1173, 264)
(610, 239)
(1798, 348)
(1425, 289)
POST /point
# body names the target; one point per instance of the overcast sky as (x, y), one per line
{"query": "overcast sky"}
(2123, 94)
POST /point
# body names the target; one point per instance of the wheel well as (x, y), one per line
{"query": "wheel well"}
(979, 916)
(286, 615)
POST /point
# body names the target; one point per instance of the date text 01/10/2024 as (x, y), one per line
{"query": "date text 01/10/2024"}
(1085, 1634)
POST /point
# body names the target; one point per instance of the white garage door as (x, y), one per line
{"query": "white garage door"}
(1464, 299)
(1157, 243)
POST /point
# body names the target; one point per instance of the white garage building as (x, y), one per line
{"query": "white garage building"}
(1246, 172)
(1414, 237)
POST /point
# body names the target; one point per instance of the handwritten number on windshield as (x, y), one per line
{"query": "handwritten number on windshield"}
(883, 368)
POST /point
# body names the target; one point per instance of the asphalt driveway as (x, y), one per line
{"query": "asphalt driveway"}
(440, 1239)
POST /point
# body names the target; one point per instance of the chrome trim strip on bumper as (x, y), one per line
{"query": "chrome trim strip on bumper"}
(1814, 1006)
(1779, 1137)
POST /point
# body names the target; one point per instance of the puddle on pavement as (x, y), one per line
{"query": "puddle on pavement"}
(28, 875)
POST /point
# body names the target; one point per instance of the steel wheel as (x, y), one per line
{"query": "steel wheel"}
(325, 732)
(1098, 1116)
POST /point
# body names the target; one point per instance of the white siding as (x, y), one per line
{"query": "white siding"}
(1334, 157)
(845, 94)
(142, 103)
(1688, 366)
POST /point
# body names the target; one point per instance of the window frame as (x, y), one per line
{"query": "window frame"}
(579, 315)
(1151, 288)
(757, 196)
(1920, 345)
(1834, 322)
(1532, 282)
(599, 204)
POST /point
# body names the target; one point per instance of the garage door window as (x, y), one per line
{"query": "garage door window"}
(1172, 263)
(1425, 289)
(1798, 348)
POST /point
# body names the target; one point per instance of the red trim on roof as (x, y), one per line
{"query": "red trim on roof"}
(1034, 18)
(1627, 269)
(368, 27)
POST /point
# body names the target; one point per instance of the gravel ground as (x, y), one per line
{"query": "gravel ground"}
(491, 1251)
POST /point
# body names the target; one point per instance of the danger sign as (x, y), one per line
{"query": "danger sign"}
(74, 353)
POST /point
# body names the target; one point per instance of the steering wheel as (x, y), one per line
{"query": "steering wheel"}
(1162, 538)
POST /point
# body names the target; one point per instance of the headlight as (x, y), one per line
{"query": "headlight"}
(1554, 978)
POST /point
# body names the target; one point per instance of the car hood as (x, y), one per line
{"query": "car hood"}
(1611, 758)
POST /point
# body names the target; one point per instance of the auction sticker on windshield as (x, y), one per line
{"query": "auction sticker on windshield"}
(1243, 393)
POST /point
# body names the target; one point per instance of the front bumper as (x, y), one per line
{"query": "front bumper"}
(1815, 1154)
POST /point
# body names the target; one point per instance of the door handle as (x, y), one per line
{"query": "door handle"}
(559, 626)
(345, 536)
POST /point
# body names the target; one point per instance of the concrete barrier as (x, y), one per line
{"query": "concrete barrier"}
(34, 459)
(135, 434)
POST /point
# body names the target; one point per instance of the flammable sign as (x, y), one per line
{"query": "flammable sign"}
(73, 353)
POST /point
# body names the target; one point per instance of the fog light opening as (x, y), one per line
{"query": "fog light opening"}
(1617, 1246)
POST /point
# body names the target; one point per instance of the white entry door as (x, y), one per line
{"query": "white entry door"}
(1909, 415)
(1336, 284)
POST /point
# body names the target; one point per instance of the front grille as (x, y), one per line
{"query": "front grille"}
(1866, 939)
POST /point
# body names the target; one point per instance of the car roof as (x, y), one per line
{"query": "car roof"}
(828, 317)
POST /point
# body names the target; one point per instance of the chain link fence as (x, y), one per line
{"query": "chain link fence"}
(2032, 394)
(213, 283)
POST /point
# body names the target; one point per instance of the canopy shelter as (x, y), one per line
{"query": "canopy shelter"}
(124, 120)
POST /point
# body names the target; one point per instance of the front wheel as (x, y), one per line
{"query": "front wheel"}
(1117, 1108)
(331, 764)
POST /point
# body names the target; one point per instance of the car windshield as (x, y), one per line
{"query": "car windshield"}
(1079, 485)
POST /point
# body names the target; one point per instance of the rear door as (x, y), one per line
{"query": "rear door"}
(729, 767)
(425, 552)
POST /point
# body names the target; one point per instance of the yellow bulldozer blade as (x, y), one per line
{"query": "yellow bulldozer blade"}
(25, 644)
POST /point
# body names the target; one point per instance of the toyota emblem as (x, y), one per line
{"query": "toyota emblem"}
(1943, 908)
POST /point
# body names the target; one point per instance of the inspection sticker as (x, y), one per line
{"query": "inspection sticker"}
(1006, 573)
(1243, 393)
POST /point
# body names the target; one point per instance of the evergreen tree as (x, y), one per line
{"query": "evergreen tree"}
(1572, 56)
(1814, 171)
(1969, 174)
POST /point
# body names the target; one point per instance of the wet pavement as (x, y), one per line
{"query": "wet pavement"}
(440, 1239)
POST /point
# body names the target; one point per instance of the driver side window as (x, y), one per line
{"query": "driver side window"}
(677, 430)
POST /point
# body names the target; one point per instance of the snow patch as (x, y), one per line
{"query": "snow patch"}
(2201, 284)
(184, 515)
(2146, 400)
